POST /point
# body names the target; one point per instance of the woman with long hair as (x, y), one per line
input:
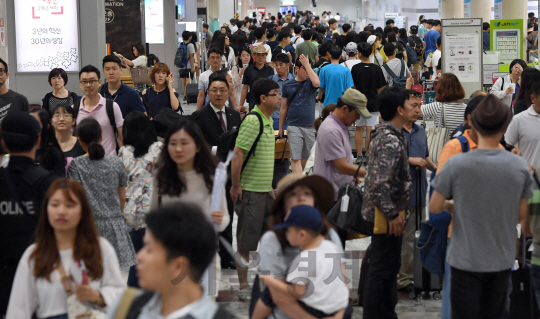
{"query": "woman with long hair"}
(245, 59)
(139, 60)
(63, 120)
(67, 243)
(400, 49)
(104, 179)
(49, 155)
(185, 173)
(376, 56)
(161, 94)
(58, 79)
(139, 155)
(227, 59)
(523, 100)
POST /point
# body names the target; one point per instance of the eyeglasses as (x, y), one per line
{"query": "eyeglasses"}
(215, 91)
(276, 94)
(65, 115)
(91, 82)
(2, 71)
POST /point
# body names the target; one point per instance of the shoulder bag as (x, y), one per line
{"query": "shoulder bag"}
(140, 75)
(438, 136)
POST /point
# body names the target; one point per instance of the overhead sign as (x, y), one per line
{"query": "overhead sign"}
(467, 8)
(498, 9)
(47, 35)
(120, 18)
(461, 22)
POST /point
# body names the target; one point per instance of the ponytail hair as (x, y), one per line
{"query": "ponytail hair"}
(324, 113)
(89, 132)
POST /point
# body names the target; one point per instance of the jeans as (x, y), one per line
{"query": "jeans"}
(479, 294)
(380, 294)
(535, 281)
(137, 238)
(446, 306)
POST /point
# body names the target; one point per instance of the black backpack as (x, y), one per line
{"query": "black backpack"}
(181, 56)
(416, 43)
(110, 114)
(227, 141)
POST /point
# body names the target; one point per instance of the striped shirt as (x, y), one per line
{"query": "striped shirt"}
(259, 171)
(454, 113)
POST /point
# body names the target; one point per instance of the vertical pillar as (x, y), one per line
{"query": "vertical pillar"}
(481, 9)
(517, 9)
(451, 9)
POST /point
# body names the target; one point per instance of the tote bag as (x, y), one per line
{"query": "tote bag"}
(140, 75)
(438, 136)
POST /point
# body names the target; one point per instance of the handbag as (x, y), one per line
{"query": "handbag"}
(282, 150)
(75, 308)
(140, 75)
(350, 218)
(438, 137)
(380, 226)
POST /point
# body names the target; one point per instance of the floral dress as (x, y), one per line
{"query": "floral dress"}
(140, 181)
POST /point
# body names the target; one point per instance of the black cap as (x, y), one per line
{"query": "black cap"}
(414, 28)
(17, 123)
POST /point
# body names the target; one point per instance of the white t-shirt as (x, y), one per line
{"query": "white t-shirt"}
(140, 61)
(203, 83)
(350, 63)
(319, 265)
(297, 41)
(268, 51)
(436, 57)
(524, 131)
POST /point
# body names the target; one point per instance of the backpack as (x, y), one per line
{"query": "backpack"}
(411, 54)
(227, 141)
(132, 303)
(181, 56)
(400, 80)
(110, 114)
(417, 45)
(318, 69)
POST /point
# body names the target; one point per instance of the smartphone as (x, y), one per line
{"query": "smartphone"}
(246, 65)
(115, 53)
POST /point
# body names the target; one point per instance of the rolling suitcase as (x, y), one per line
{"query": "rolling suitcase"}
(192, 91)
(424, 281)
(522, 299)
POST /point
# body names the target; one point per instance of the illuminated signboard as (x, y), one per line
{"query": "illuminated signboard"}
(153, 19)
(47, 35)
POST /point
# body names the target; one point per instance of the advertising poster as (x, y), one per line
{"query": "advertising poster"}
(47, 35)
(123, 25)
(498, 9)
(505, 38)
(462, 54)
(153, 19)
(467, 8)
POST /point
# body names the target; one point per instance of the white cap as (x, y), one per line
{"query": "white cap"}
(371, 39)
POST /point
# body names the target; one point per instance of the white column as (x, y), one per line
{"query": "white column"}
(481, 9)
(517, 9)
(452, 9)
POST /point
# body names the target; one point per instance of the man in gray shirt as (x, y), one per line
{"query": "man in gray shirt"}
(483, 246)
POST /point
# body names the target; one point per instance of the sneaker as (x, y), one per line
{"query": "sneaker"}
(244, 294)
(359, 159)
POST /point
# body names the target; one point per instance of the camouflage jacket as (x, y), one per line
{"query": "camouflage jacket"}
(388, 182)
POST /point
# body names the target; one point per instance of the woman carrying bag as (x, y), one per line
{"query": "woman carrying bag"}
(67, 244)
(139, 61)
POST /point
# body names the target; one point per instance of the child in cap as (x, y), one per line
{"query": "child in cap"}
(315, 279)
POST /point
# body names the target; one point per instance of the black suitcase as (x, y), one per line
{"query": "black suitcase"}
(522, 299)
(192, 92)
(424, 281)
(363, 275)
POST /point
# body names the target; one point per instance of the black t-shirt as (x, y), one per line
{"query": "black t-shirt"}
(368, 78)
(252, 74)
(76, 151)
(277, 51)
(12, 101)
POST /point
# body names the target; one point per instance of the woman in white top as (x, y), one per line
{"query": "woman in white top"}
(140, 60)
(237, 72)
(139, 155)
(375, 57)
(185, 173)
(66, 242)
(448, 111)
(502, 88)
